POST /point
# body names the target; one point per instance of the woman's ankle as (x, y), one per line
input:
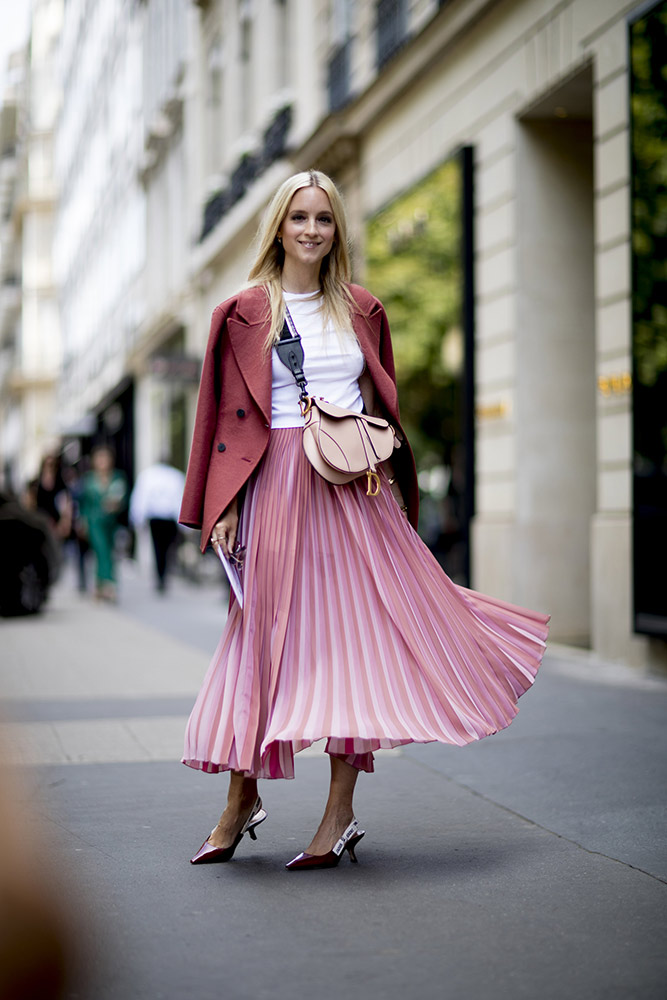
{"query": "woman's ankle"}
(242, 792)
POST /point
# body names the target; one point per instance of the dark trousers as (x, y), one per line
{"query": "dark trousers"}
(163, 533)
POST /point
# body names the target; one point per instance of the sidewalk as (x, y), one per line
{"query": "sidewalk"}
(532, 864)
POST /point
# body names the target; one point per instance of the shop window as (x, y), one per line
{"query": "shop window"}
(419, 263)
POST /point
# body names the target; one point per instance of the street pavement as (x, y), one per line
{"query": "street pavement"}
(530, 865)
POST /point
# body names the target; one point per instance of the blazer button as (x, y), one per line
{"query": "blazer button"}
(221, 446)
(240, 413)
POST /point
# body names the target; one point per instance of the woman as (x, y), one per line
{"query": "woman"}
(349, 628)
(53, 496)
(102, 500)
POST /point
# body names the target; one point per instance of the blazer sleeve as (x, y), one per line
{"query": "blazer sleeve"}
(403, 458)
(386, 353)
(208, 407)
(386, 350)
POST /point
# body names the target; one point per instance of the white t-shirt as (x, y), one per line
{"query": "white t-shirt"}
(333, 364)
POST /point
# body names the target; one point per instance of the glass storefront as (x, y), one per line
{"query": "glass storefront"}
(417, 264)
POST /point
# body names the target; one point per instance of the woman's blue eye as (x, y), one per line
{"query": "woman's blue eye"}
(299, 216)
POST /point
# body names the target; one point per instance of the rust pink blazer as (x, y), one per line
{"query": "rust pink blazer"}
(233, 419)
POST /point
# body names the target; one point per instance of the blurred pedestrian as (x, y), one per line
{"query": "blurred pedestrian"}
(156, 501)
(53, 496)
(102, 501)
(350, 631)
(79, 535)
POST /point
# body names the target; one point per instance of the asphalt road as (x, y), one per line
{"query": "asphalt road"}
(532, 864)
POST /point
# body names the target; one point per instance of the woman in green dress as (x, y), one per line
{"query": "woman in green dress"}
(103, 499)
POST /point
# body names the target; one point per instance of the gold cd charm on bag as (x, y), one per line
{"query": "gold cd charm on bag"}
(374, 484)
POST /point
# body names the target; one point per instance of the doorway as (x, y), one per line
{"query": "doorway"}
(555, 358)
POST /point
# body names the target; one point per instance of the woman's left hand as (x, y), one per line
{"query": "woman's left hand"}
(224, 531)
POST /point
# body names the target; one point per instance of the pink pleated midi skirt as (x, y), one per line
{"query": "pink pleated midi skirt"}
(350, 632)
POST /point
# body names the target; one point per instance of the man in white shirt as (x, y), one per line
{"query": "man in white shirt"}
(156, 500)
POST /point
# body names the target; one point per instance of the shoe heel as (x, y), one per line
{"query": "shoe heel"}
(258, 817)
(351, 845)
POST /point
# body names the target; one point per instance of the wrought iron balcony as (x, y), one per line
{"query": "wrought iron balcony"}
(275, 137)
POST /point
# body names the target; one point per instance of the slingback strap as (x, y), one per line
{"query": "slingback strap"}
(347, 834)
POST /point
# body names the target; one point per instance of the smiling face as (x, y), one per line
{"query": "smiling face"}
(308, 229)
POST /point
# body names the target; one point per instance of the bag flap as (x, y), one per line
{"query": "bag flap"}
(339, 412)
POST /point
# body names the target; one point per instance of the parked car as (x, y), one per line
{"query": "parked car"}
(29, 562)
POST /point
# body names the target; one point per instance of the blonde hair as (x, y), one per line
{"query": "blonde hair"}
(270, 256)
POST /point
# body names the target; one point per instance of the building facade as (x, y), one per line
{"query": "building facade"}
(11, 424)
(99, 243)
(29, 318)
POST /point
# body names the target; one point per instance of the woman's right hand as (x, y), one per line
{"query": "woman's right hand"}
(224, 530)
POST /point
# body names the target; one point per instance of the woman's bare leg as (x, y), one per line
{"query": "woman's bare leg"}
(241, 797)
(339, 811)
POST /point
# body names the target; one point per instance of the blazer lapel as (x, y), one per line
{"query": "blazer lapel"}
(247, 340)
